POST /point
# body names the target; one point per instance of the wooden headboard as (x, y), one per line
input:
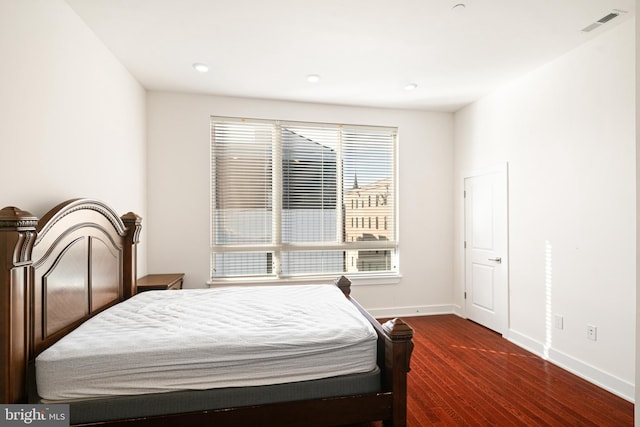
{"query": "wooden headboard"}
(55, 273)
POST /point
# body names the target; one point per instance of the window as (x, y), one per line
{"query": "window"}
(284, 196)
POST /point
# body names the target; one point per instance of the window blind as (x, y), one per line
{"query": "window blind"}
(296, 199)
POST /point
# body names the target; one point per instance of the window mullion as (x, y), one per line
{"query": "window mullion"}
(276, 207)
(212, 201)
(339, 187)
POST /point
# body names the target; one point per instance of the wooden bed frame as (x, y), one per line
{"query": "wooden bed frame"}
(80, 258)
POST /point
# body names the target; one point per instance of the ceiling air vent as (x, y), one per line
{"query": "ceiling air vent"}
(608, 18)
(603, 20)
(591, 27)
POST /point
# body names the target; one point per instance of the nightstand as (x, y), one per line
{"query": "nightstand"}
(160, 282)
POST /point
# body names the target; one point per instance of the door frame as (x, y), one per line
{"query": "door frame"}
(503, 169)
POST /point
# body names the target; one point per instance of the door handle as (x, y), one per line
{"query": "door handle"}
(497, 259)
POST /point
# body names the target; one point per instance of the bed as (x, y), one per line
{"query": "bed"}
(76, 265)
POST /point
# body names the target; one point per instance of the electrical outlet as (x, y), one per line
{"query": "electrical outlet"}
(592, 332)
(558, 321)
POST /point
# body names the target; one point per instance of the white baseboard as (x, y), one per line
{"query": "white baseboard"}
(457, 309)
(525, 342)
(592, 374)
(426, 310)
(576, 366)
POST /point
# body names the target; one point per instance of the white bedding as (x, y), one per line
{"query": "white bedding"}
(161, 341)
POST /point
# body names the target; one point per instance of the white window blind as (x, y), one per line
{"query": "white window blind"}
(292, 199)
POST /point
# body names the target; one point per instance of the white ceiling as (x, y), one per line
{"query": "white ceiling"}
(365, 51)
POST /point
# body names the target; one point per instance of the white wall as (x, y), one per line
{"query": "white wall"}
(567, 131)
(73, 118)
(178, 166)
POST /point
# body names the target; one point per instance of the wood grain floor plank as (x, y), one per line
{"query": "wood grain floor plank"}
(463, 374)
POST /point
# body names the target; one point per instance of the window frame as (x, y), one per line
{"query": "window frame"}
(277, 247)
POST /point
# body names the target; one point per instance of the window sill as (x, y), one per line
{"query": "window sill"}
(358, 280)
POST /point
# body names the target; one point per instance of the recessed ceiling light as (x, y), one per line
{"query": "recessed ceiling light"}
(203, 68)
(411, 86)
(313, 78)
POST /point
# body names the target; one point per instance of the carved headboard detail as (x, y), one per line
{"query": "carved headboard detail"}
(55, 273)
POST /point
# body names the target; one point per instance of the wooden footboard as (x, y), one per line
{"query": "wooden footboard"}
(80, 258)
(395, 346)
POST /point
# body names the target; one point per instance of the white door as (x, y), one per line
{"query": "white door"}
(486, 257)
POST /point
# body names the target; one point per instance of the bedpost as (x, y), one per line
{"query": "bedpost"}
(344, 284)
(398, 351)
(17, 235)
(133, 223)
(395, 345)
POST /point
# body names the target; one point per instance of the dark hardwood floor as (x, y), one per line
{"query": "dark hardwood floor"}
(465, 374)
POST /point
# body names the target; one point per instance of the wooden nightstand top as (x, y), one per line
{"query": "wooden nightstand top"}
(160, 282)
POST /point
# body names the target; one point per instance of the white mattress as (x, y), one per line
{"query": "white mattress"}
(161, 341)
